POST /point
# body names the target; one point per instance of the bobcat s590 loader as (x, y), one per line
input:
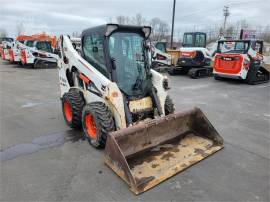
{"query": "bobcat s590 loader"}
(241, 59)
(110, 91)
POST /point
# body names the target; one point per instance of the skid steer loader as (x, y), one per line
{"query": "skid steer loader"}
(110, 91)
(3, 41)
(160, 58)
(38, 54)
(241, 59)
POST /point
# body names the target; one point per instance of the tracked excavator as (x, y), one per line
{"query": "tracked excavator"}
(193, 58)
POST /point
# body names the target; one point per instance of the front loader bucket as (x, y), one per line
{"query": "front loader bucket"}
(148, 153)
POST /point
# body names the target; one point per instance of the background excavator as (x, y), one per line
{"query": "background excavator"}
(109, 89)
(193, 58)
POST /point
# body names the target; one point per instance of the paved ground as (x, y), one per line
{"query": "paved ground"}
(42, 159)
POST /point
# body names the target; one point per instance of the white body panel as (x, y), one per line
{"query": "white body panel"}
(30, 58)
(104, 86)
(205, 51)
(156, 51)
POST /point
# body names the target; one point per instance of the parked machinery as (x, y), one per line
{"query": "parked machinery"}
(160, 57)
(109, 89)
(193, 58)
(38, 51)
(241, 59)
(5, 45)
(41, 54)
(16, 47)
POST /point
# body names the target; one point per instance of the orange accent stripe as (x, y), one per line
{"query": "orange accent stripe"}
(84, 78)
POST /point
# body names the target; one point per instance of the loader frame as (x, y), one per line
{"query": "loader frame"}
(142, 153)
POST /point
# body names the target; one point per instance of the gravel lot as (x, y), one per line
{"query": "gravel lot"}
(43, 160)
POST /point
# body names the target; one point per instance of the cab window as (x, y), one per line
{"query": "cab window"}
(161, 47)
(200, 40)
(188, 40)
(94, 54)
(44, 46)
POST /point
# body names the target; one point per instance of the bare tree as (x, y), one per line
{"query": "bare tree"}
(160, 29)
(244, 24)
(230, 31)
(3, 33)
(138, 20)
(76, 34)
(124, 20)
(20, 28)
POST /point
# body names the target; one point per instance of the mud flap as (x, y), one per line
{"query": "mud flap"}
(148, 153)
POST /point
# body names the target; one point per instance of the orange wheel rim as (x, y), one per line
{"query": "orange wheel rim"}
(68, 111)
(90, 126)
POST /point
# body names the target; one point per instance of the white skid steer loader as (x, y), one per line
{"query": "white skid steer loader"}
(38, 55)
(110, 91)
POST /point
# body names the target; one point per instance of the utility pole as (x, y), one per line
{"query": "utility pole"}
(226, 13)
(174, 1)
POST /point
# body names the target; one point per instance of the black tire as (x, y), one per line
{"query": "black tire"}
(217, 77)
(169, 106)
(154, 65)
(103, 121)
(75, 99)
(171, 71)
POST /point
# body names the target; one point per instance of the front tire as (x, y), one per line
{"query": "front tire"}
(97, 122)
(72, 106)
(169, 106)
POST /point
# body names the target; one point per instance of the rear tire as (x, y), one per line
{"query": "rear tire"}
(169, 106)
(97, 122)
(72, 106)
(171, 71)
(216, 77)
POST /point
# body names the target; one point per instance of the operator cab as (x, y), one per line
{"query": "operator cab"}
(43, 46)
(161, 46)
(119, 52)
(239, 46)
(29, 43)
(194, 39)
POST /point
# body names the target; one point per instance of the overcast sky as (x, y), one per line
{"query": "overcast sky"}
(64, 17)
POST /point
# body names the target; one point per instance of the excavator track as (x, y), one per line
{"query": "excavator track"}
(196, 73)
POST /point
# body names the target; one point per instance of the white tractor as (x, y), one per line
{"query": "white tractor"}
(38, 54)
(109, 89)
